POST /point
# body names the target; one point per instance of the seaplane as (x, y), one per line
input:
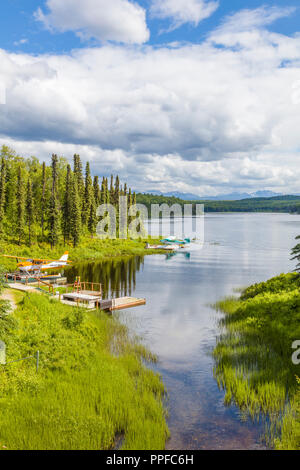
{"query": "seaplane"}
(36, 265)
(176, 241)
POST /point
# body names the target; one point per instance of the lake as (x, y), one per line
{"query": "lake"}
(179, 324)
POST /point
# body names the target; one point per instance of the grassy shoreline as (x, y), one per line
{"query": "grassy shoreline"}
(90, 249)
(93, 387)
(254, 356)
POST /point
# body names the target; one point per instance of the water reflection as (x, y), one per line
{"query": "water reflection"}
(186, 254)
(178, 324)
(117, 276)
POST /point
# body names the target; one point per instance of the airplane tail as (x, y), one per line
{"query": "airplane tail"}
(65, 256)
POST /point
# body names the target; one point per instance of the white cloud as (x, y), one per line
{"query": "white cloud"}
(195, 118)
(183, 11)
(21, 42)
(247, 25)
(259, 17)
(118, 20)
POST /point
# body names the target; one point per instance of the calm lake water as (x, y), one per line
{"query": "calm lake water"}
(179, 325)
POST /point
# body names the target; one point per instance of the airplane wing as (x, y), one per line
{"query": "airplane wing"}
(42, 260)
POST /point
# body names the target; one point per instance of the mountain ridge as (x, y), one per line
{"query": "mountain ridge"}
(235, 196)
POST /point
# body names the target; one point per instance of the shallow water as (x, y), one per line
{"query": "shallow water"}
(179, 325)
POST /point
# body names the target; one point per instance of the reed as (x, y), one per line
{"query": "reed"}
(253, 356)
(93, 384)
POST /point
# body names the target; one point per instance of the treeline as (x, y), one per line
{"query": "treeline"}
(51, 203)
(290, 204)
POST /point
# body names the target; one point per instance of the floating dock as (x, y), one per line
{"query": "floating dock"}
(94, 302)
(87, 300)
(84, 294)
(126, 302)
(28, 279)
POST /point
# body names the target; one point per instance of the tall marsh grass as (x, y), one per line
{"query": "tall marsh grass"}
(92, 385)
(253, 356)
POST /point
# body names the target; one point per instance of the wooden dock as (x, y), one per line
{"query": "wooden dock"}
(94, 302)
(82, 298)
(126, 302)
(83, 295)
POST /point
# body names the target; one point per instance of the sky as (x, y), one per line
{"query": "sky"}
(198, 96)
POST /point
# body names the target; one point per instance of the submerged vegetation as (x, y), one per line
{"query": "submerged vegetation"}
(92, 391)
(254, 356)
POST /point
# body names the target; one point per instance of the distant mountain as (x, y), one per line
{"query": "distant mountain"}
(240, 196)
(219, 197)
(184, 196)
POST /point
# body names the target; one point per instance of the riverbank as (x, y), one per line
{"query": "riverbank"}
(254, 356)
(92, 390)
(90, 249)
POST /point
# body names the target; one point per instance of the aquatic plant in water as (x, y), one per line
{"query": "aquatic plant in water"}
(253, 356)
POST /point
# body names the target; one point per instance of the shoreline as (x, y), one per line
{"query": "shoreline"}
(90, 250)
(253, 358)
(77, 348)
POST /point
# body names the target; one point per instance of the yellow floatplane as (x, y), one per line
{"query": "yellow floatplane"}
(36, 265)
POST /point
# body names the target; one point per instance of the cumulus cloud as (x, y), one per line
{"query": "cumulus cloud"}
(118, 20)
(195, 118)
(247, 25)
(183, 11)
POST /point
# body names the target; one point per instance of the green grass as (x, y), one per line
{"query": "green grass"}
(254, 356)
(90, 249)
(92, 387)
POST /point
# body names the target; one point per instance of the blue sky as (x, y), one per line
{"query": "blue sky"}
(17, 23)
(197, 96)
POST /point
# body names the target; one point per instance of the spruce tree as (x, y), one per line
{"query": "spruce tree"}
(107, 193)
(111, 190)
(20, 219)
(66, 207)
(103, 191)
(116, 199)
(92, 222)
(79, 177)
(29, 209)
(43, 198)
(75, 212)
(129, 199)
(117, 192)
(88, 196)
(53, 219)
(296, 254)
(10, 192)
(2, 191)
(97, 191)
